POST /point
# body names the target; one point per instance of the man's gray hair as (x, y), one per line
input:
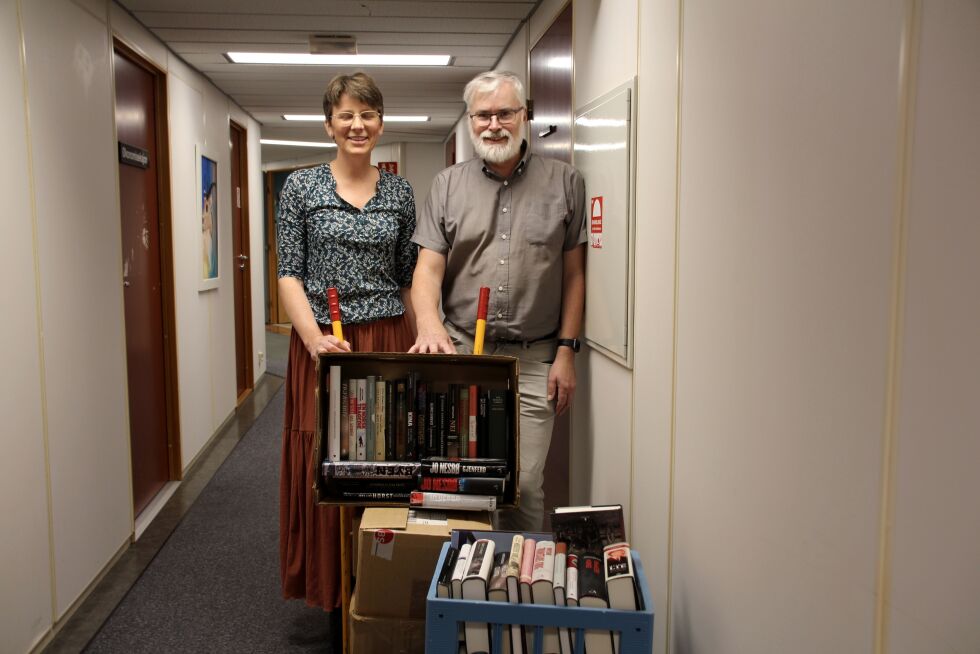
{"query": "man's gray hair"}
(488, 82)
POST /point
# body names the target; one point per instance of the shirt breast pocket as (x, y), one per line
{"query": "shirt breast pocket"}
(546, 225)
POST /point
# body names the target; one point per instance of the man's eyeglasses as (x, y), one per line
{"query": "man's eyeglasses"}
(347, 117)
(504, 116)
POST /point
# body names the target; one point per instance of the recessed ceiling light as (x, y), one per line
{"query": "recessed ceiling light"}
(337, 60)
(301, 144)
(389, 118)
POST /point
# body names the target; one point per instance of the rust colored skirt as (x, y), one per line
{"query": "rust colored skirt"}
(309, 543)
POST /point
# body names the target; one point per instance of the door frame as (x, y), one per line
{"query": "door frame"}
(246, 245)
(165, 220)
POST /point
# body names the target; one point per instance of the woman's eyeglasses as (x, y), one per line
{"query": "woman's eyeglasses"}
(504, 116)
(347, 117)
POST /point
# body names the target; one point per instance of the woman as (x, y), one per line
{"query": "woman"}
(348, 225)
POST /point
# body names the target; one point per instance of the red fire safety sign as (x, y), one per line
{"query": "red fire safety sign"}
(595, 232)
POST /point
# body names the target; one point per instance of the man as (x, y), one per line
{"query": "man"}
(514, 222)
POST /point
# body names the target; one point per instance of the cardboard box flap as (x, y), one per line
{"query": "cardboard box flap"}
(436, 523)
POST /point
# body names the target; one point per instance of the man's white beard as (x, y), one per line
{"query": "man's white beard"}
(496, 153)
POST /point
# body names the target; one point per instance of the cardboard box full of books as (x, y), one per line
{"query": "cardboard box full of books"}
(374, 635)
(386, 409)
(397, 550)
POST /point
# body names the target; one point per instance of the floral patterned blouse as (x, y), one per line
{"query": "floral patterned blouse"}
(367, 254)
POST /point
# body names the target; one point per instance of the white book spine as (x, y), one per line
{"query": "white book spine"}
(362, 420)
(379, 421)
(453, 501)
(333, 415)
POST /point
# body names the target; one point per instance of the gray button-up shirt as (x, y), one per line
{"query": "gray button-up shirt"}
(508, 234)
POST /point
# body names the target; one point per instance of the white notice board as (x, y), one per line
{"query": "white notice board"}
(604, 153)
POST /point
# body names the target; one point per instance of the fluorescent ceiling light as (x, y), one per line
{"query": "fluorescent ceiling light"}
(301, 144)
(389, 118)
(338, 60)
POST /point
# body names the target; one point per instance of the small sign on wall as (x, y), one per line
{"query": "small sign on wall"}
(133, 156)
(390, 166)
(595, 228)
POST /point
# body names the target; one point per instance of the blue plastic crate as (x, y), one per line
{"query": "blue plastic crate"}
(442, 617)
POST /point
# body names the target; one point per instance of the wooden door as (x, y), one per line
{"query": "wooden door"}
(550, 85)
(137, 101)
(241, 262)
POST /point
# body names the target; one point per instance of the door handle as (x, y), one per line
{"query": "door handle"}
(548, 132)
(241, 266)
(243, 257)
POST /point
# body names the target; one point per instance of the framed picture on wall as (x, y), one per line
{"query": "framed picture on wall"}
(208, 212)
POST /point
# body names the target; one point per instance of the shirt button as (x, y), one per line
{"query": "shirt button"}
(501, 262)
(504, 209)
(500, 315)
(503, 236)
(506, 182)
(500, 288)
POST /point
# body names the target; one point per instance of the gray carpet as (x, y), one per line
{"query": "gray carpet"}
(214, 586)
(277, 353)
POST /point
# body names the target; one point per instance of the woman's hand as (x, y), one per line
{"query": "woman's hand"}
(326, 343)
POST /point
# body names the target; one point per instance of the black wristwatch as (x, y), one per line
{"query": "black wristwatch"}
(573, 343)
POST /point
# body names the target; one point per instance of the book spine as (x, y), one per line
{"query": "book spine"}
(468, 485)
(442, 425)
(452, 501)
(372, 469)
(471, 414)
(481, 426)
(571, 579)
(393, 496)
(379, 420)
(452, 421)
(421, 419)
(361, 419)
(463, 420)
(336, 486)
(369, 413)
(431, 446)
(352, 419)
(498, 427)
(411, 445)
(433, 468)
(344, 421)
(333, 415)
(400, 420)
(390, 415)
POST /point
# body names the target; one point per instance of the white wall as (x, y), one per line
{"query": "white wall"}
(80, 266)
(423, 161)
(935, 571)
(65, 475)
(25, 551)
(781, 250)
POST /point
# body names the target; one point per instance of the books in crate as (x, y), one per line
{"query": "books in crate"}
(435, 483)
(416, 440)
(539, 570)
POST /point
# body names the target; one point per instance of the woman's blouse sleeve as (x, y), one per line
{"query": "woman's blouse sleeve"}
(291, 230)
(406, 252)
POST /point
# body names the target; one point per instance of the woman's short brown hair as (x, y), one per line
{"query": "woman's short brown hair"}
(358, 86)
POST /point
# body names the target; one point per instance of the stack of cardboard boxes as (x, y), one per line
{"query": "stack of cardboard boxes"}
(397, 552)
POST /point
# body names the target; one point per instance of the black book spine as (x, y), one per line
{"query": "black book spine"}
(498, 427)
(400, 420)
(482, 425)
(452, 420)
(464, 468)
(411, 444)
(421, 419)
(443, 424)
(431, 444)
(390, 425)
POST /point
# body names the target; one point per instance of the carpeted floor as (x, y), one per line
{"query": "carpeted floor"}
(214, 585)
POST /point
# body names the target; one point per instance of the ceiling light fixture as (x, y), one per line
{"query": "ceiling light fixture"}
(299, 58)
(301, 144)
(389, 118)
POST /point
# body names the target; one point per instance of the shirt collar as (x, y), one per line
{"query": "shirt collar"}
(518, 171)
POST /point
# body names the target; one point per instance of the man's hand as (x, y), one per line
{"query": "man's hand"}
(433, 339)
(561, 380)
